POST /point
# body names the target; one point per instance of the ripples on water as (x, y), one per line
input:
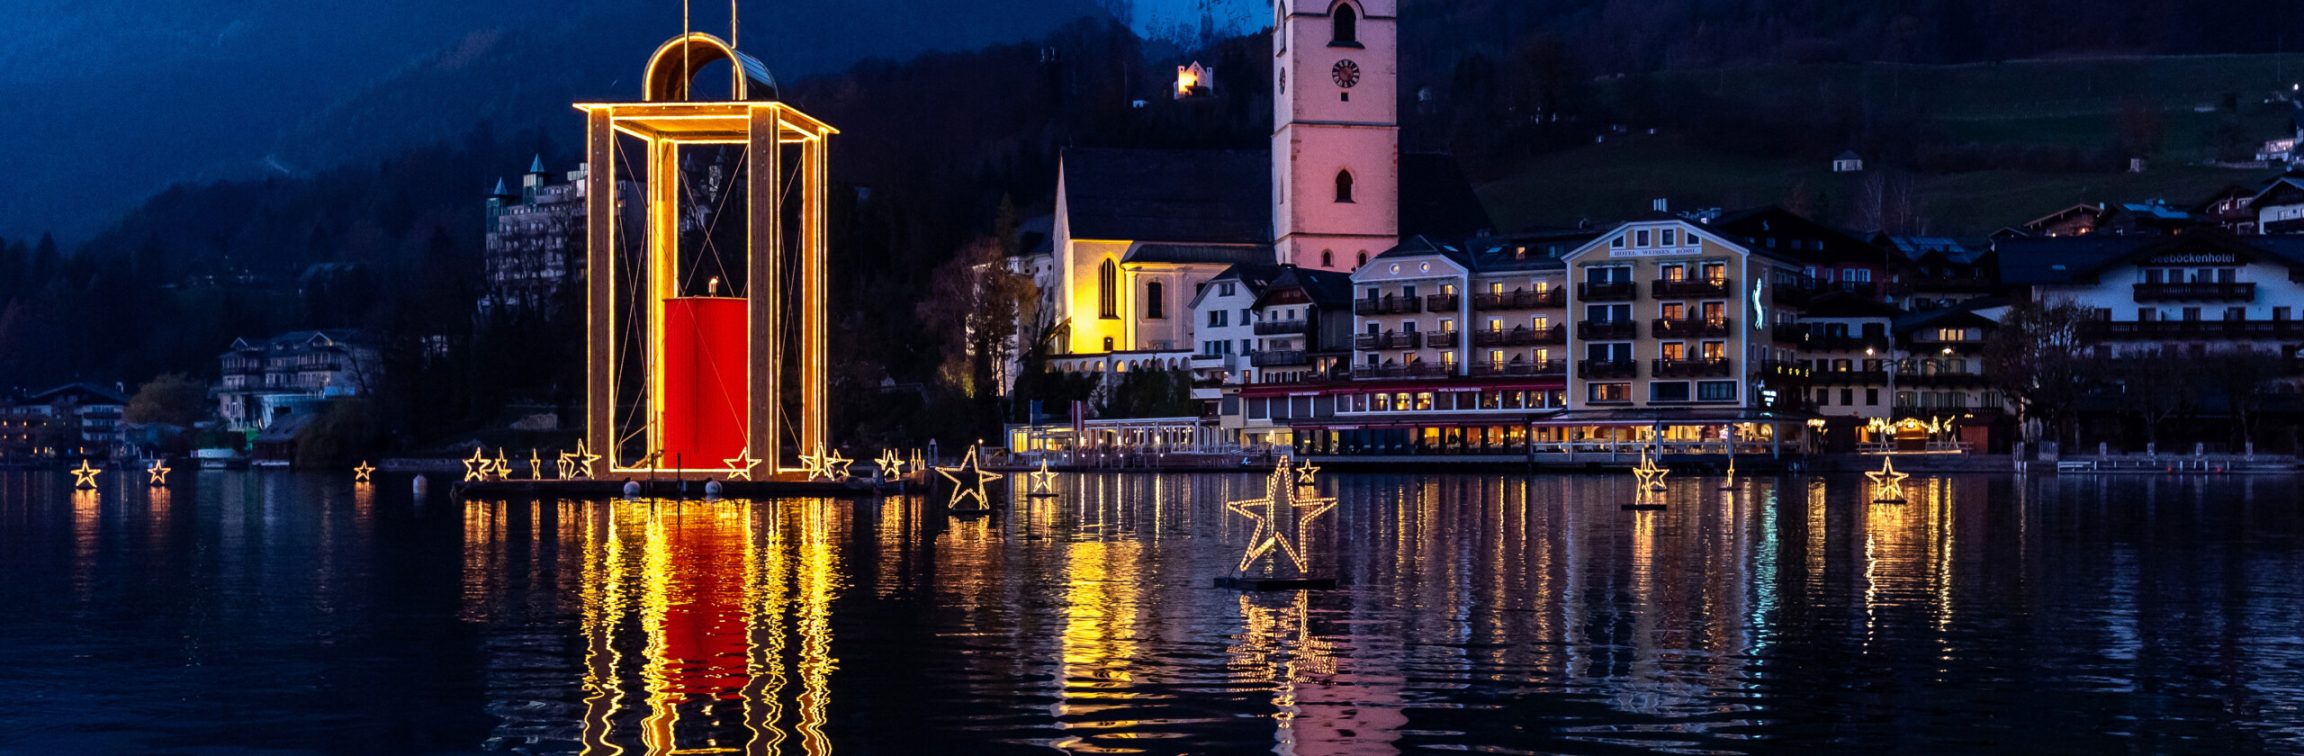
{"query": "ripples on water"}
(1487, 613)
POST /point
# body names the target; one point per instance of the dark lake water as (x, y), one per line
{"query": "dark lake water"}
(247, 612)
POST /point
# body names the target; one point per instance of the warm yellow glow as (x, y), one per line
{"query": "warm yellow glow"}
(891, 466)
(156, 476)
(501, 465)
(1187, 79)
(362, 472)
(578, 464)
(476, 467)
(1887, 483)
(535, 465)
(1280, 501)
(974, 487)
(85, 476)
(1650, 475)
(1042, 480)
(1305, 474)
(740, 466)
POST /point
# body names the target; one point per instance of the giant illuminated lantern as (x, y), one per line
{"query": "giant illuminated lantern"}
(705, 312)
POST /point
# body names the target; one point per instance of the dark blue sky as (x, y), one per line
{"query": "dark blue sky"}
(111, 100)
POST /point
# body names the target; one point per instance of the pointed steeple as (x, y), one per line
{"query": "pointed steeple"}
(537, 166)
(501, 189)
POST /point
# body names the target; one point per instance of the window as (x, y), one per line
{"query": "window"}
(1715, 273)
(1363, 260)
(2280, 313)
(1640, 238)
(1107, 343)
(1343, 186)
(1857, 275)
(1155, 305)
(1108, 290)
(1951, 334)
(1674, 351)
(1716, 391)
(1611, 392)
(1670, 391)
(2235, 313)
(1327, 258)
(1673, 273)
(1225, 289)
(1347, 25)
(1872, 396)
(1847, 397)
(1216, 318)
(1671, 237)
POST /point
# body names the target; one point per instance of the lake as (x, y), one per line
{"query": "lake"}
(277, 612)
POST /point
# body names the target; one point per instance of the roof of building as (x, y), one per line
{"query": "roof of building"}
(86, 390)
(1763, 228)
(2055, 261)
(1184, 196)
(1424, 246)
(1436, 199)
(1256, 276)
(1848, 155)
(1200, 254)
(1919, 247)
(1325, 288)
(1847, 304)
(1963, 314)
(1540, 250)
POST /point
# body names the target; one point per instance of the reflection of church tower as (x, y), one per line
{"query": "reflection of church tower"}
(1336, 131)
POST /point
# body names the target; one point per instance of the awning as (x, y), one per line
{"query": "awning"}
(1648, 416)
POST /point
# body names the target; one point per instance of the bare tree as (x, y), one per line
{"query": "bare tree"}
(2154, 387)
(2036, 359)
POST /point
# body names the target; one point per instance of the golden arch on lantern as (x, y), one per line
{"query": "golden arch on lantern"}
(705, 270)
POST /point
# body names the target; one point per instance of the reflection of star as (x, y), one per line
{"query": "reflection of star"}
(361, 473)
(157, 474)
(1651, 477)
(974, 488)
(1279, 500)
(1305, 472)
(891, 466)
(1887, 483)
(1043, 481)
(740, 466)
(477, 466)
(85, 477)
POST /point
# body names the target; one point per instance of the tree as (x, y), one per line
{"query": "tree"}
(172, 399)
(976, 309)
(2036, 359)
(2241, 377)
(2152, 386)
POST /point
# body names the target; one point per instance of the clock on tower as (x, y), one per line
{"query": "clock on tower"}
(1335, 150)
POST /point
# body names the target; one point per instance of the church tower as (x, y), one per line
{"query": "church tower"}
(1336, 131)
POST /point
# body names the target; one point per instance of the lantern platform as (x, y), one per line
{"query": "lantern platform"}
(781, 486)
(1643, 507)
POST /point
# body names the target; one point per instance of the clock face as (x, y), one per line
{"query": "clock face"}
(1346, 73)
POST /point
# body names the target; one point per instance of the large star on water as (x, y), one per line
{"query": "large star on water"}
(578, 463)
(740, 466)
(1281, 499)
(84, 476)
(477, 466)
(1043, 481)
(972, 488)
(1887, 483)
(1651, 477)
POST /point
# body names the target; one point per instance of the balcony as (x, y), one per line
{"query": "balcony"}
(2194, 329)
(1282, 327)
(1386, 305)
(1608, 330)
(1696, 368)
(1691, 328)
(1848, 377)
(2196, 292)
(1521, 336)
(1520, 300)
(1688, 287)
(1837, 342)
(1518, 369)
(1601, 370)
(1279, 358)
(1443, 339)
(1624, 291)
(1442, 302)
(1386, 340)
(1946, 379)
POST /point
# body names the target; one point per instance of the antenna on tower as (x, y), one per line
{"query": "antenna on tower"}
(687, 69)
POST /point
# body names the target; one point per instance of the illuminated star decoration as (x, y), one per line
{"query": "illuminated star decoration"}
(361, 473)
(836, 466)
(477, 466)
(740, 466)
(502, 465)
(85, 476)
(535, 465)
(1887, 483)
(1042, 481)
(812, 464)
(891, 466)
(973, 488)
(1280, 500)
(1651, 477)
(1305, 473)
(1731, 483)
(156, 475)
(578, 463)
(917, 462)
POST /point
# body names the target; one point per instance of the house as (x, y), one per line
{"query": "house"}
(67, 423)
(266, 379)
(2279, 206)
(1848, 162)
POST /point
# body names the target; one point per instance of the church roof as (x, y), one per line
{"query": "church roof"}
(1180, 196)
(1186, 254)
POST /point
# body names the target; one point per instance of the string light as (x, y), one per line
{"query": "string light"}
(503, 466)
(361, 473)
(1887, 483)
(535, 464)
(974, 488)
(578, 464)
(1305, 473)
(1043, 481)
(891, 465)
(156, 475)
(740, 466)
(477, 466)
(1280, 499)
(85, 476)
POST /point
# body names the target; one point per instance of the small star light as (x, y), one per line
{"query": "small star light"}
(502, 465)
(535, 465)
(1305, 473)
(578, 463)
(1887, 483)
(1280, 501)
(1043, 481)
(740, 466)
(836, 466)
(973, 488)
(477, 466)
(156, 475)
(891, 466)
(917, 462)
(1651, 477)
(812, 465)
(85, 476)
(363, 472)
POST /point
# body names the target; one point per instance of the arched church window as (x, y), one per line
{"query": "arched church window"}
(1108, 289)
(1347, 24)
(1343, 186)
(1363, 260)
(1327, 258)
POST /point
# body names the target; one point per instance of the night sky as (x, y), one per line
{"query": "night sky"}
(112, 100)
